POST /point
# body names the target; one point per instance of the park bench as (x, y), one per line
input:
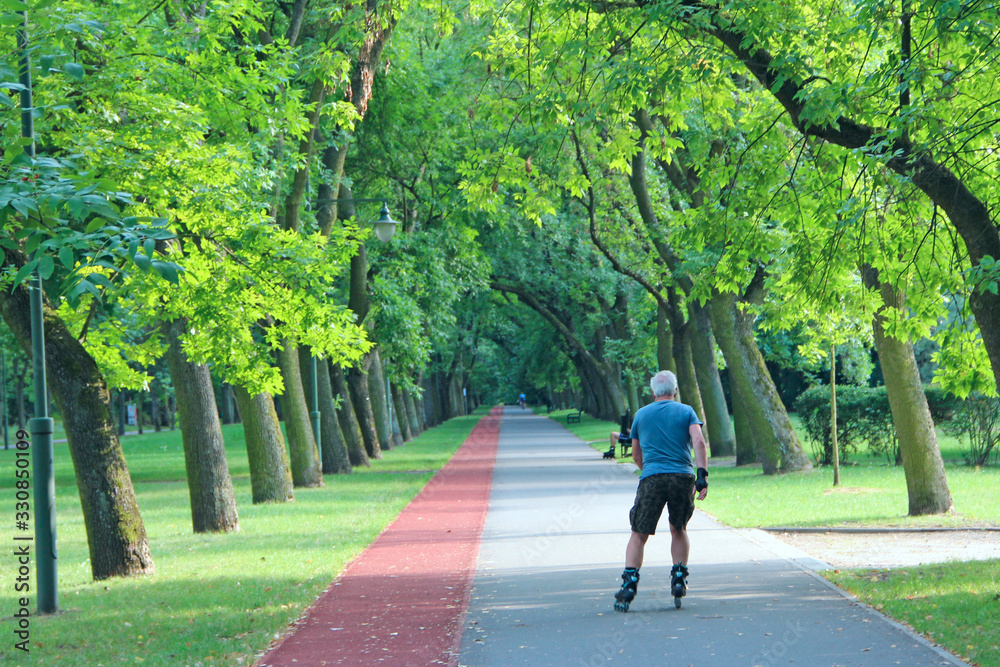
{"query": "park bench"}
(574, 417)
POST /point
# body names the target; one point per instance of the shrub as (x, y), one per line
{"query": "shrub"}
(978, 419)
(863, 417)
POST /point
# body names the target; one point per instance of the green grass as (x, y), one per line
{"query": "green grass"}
(956, 604)
(214, 599)
(593, 431)
(868, 495)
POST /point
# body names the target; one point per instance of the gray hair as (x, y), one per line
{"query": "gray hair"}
(663, 383)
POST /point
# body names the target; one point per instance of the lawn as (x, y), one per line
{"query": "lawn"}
(214, 599)
(956, 604)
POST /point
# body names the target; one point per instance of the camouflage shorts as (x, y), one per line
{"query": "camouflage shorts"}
(674, 490)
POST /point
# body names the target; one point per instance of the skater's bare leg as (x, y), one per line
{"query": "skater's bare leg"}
(634, 550)
(680, 546)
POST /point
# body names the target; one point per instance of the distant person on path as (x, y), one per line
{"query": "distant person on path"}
(663, 435)
(521, 400)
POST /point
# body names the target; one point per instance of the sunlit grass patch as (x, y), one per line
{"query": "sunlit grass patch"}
(955, 604)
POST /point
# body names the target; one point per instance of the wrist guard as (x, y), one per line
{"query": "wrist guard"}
(701, 481)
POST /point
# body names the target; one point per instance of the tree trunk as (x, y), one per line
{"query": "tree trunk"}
(213, 504)
(154, 406)
(746, 446)
(664, 342)
(270, 472)
(411, 412)
(420, 407)
(228, 407)
(357, 382)
(22, 412)
(307, 471)
(122, 412)
(926, 484)
(379, 402)
(172, 411)
(403, 417)
(116, 535)
(778, 445)
(138, 411)
(347, 415)
(720, 428)
(687, 378)
(455, 396)
(333, 450)
(430, 399)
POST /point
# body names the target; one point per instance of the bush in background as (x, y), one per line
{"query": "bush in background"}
(977, 419)
(864, 418)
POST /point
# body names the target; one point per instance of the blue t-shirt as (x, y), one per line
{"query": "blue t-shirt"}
(662, 429)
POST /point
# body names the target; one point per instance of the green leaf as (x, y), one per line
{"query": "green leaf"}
(149, 246)
(66, 256)
(11, 19)
(74, 70)
(142, 262)
(94, 225)
(45, 267)
(100, 279)
(15, 5)
(75, 205)
(167, 270)
(23, 272)
(32, 243)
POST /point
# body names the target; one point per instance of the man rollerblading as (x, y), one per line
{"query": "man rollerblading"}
(664, 433)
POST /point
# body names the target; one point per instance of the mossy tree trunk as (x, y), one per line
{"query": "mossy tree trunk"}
(717, 422)
(307, 470)
(347, 415)
(411, 412)
(746, 446)
(431, 410)
(778, 446)
(664, 341)
(116, 535)
(357, 383)
(404, 419)
(379, 400)
(333, 450)
(687, 380)
(270, 471)
(926, 483)
(213, 504)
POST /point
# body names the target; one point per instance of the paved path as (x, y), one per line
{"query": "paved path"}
(550, 561)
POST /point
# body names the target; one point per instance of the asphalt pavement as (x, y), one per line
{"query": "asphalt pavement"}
(552, 554)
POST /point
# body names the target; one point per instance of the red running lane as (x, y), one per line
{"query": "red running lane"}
(403, 600)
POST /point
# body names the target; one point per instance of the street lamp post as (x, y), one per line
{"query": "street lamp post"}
(41, 426)
(385, 227)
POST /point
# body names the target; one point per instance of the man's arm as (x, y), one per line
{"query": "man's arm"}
(637, 453)
(700, 454)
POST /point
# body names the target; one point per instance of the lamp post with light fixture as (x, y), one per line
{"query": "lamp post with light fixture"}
(385, 228)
